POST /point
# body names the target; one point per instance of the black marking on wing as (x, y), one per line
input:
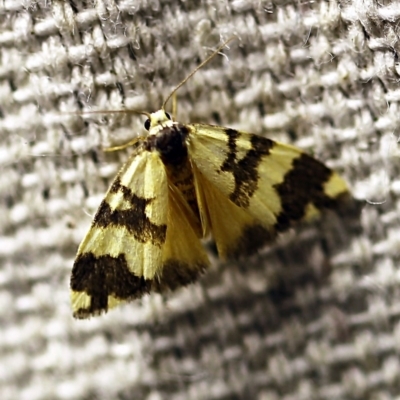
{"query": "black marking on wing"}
(252, 238)
(302, 185)
(102, 276)
(245, 171)
(176, 274)
(133, 219)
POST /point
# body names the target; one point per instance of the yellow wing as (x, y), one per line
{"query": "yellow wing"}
(141, 239)
(250, 187)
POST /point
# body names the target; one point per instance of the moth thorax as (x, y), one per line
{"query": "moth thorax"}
(170, 143)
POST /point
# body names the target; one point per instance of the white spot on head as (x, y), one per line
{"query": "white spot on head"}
(159, 120)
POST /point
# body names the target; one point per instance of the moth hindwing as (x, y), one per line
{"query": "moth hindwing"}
(180, 183)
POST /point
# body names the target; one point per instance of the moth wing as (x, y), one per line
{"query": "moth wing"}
(251, 187)
(184, 258)
(234, 229)
(140, 240)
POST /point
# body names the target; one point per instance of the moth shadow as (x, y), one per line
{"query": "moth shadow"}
(249, 310)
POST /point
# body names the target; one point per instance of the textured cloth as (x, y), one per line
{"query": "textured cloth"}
(314, 316)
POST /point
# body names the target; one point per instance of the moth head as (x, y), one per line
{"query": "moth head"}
(156, 121)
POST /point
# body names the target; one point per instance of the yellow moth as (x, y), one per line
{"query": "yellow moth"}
(181, 183)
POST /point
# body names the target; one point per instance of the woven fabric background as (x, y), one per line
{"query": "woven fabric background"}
(315, 316)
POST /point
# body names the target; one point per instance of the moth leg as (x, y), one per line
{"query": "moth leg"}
(122, 146)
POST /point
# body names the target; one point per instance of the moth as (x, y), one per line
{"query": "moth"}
(184, 182)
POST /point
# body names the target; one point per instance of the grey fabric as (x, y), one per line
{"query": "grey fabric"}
(315, 316)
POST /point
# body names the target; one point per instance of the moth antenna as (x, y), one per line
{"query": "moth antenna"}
(201, 65)
(127, 111)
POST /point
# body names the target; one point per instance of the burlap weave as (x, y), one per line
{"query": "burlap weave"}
(316, 316)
